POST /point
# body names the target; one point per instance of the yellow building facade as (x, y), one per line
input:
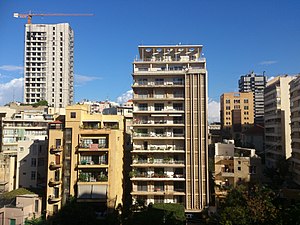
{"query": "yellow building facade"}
(237, 113)
(85, 159)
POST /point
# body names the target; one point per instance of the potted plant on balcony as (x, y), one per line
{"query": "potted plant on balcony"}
(83, 177)
(83, 162)
(132, 173)
(102, 177)
(151, 160)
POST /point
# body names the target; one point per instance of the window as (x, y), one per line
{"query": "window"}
(73, 115)
(246, 107)
(227, 101)
(142, 186)
(12, 221)
(143, 107)
(33, 175)
(158, 106)
(36, 206)
(33, 162)
(239, 168)
(41, 161)
(246, 100)
(227, 107)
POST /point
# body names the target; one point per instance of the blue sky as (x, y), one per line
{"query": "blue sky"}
(238, 37)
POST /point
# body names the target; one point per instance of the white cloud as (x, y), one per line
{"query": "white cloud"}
(268, 62)
(213, 111)
(83, 79)
(125, 97)
(11, 68)
(11, 91)
(270, 78)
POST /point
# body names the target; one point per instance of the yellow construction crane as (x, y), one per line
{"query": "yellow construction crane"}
(30, 15)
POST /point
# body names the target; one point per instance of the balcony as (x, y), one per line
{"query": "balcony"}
(93, 162)
(53, 199)
(155, 176)
(153, 162)
(55, 149)
(152, 135)
(92, 147)
(158, 110)
(161, 84)
(54, 182)
(95, 191)
(54, 166)
(92, 177)
(158, 149)
(141, 122)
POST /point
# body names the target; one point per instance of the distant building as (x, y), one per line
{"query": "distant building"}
(254, 138)
(214, 133)
(23, 146)
(85, 159)
(98, 106)
(255, 83)
(277, 120)
(48, 64)
(295, 128)
(237, 114)
(18, 206)
(233, 166)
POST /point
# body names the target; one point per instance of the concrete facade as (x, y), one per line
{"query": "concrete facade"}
(277, 120)
(170, 126)
(27, 206)
(237, 113)
(85, 159)
(295, 128)
(23, 146)
(48, 64)
(233, 166)
(255, 83)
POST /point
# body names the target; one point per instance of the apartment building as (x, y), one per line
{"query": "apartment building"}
(18, 206)
(85, 159)
(237, 113)
(170, 126)
(23, 154)
(295, 128)
(233, 166)
(48, 64)
(255, 83)
(277, 120)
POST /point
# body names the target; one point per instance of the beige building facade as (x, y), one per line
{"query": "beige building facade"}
(233, 166)
(237, 113)
(85, 159)
(170, 126)
(295, 128)
(277, 120)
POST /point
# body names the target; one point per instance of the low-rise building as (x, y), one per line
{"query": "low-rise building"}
(18, 206)
(233, 166)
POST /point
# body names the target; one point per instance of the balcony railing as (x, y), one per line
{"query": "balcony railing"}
(158, 161)
(92, 177)
(155, 175)
(93, 146)
(157, 135)
(159, 148)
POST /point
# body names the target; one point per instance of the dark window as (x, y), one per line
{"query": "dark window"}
(73, 115)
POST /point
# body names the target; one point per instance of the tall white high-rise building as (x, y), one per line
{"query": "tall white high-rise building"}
(48, 64)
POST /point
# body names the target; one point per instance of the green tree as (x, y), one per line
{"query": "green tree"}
(253, 206)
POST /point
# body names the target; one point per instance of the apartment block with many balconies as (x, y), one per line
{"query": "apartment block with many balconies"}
(277, 120)
(85, 159)
(170, 126)
(295, 128)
